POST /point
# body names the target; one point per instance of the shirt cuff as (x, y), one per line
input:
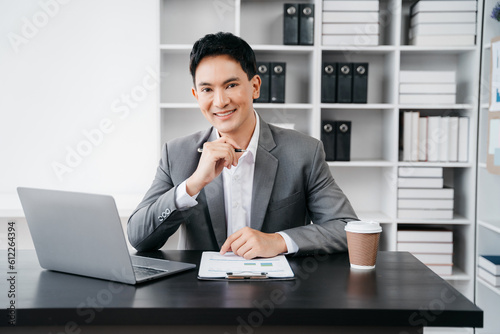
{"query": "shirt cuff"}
(183, 200)
(291, 246)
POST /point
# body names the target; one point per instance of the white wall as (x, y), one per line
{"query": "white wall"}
(78, 98)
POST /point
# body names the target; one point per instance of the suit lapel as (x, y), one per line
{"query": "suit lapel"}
(214, 194)
(266, 166)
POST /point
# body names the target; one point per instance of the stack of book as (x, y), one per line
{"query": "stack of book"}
(432, 246)
(435, 138)
(422, 195)
(351, 22)
(443, 23)
(425, 87)
(489, 269)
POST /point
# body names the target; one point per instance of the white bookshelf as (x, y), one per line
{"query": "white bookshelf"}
(488, 185)
(369, 179)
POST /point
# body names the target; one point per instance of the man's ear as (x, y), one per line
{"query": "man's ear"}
(194, 92)
(256, 82)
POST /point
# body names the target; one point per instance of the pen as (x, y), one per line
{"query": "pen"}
(237, 150)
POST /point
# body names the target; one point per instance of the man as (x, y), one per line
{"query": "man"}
(256, 203)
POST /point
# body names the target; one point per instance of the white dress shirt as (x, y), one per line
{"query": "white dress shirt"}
(238, 189)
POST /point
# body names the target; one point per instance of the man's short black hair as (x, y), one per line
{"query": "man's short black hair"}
(223, 43)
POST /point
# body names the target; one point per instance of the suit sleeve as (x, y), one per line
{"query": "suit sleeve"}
(156, 218)
(328, 208)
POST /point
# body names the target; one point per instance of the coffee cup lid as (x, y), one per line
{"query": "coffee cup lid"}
(363, 227)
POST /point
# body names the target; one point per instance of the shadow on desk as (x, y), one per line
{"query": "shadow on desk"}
(95, 296)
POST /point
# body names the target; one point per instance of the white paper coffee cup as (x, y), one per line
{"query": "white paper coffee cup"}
(362, 243)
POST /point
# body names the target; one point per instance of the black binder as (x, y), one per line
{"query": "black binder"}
(343, 141)
(306, 24)
(291, 24)
(328, 134)
(360, 82)
(344, 83)
(329, 83)
(278, 75)
(263, 72)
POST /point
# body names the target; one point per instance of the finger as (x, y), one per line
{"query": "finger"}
(232, 159)
(219, 152)
(225, 151)
(238, 245)
(234, 146)
(236, 240)
(224, 251)
(225, 140)
(244, 242)
(250, 254)
(246, 251)
(230, 141)
(226, 247)
(235, 158)
(217, 145)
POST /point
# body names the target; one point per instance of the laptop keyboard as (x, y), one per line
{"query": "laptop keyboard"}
(144, 272)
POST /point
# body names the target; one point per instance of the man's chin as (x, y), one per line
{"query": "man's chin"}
(223, 129)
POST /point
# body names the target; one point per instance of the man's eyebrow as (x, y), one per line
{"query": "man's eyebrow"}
(203, 84)
(231, 79)
(224, 83)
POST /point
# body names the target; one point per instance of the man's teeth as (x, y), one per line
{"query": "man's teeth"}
(225, 114)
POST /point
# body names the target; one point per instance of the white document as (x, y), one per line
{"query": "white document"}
(415, 123)
(422, 140)
(443, 17)
(407, 135)
(463, 139)
(353, 6)
(443, 40)
(427, 77)
(216, 266)
(453, 139)
(351, 17)
(444, 138)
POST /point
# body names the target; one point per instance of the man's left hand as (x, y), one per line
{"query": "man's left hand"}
(249, 243)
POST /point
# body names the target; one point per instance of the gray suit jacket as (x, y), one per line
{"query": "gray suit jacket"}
(292, 187)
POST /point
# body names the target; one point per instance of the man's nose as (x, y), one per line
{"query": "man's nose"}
(221, 99)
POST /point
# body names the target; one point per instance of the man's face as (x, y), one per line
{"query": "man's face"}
(225, 95)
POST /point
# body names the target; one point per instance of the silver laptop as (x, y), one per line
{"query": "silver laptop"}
(82, 234)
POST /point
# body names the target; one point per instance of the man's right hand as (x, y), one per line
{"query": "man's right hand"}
(215, 156)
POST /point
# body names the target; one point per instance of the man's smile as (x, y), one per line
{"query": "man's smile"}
(224, 113)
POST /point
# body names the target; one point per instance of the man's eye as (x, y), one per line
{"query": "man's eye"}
(205, 90)
(232, 85)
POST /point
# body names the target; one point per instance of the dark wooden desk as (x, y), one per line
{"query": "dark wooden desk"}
(400, 296)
